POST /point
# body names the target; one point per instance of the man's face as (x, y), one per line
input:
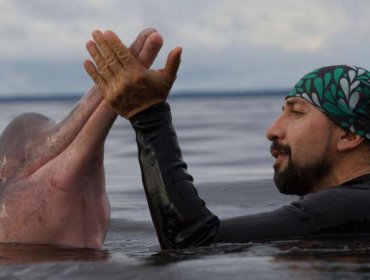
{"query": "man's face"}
(302, 144)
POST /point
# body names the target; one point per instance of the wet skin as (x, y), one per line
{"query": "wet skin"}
(52, 188)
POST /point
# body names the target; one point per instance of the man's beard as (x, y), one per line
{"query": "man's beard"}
(297, 179)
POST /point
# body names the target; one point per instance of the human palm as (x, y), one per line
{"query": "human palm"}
(128, 86)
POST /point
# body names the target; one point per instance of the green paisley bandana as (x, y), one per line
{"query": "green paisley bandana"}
(342, 92)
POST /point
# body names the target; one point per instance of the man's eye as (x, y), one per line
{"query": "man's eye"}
(295, 112)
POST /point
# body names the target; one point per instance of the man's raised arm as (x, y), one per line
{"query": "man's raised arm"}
(179, 215)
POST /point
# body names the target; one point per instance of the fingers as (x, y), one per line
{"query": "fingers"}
(112, 58)
(172, 65)
(96, 55)
(123, 78)
(111, 62)
(126, 59)
(140, 40)
(101, 66)
(110, 54)
(150, 49)
(94, 74)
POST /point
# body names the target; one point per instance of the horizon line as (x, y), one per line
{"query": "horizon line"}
(59, 96)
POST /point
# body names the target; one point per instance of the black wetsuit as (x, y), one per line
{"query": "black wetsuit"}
(182, 220)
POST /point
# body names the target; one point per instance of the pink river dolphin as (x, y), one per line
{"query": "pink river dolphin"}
(52, 188)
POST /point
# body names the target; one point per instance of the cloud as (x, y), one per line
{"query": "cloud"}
(290, 25)
(237, 44)
(55, 30)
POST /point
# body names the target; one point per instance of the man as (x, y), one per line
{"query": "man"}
(320, 142)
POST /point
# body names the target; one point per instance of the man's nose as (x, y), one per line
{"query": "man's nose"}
(277, 129)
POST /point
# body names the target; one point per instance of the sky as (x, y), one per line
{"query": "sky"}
(233, 45)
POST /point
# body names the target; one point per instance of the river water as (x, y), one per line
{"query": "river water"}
(223, 142)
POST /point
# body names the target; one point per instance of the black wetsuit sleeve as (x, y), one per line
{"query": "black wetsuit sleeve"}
(180, 217)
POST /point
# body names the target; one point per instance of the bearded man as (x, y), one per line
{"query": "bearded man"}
(320, 143)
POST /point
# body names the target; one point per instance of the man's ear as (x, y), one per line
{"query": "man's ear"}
(348, 141)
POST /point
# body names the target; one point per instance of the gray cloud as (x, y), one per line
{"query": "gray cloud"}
(236, 44)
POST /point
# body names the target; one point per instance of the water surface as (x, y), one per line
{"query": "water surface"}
(224, 145)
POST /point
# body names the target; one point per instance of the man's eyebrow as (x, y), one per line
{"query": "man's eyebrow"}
(288, 103)
(291, 103)
(295, 102)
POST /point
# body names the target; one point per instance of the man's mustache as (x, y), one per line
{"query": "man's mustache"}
(277, 148)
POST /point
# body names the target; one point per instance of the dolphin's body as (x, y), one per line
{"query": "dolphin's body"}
(52, 187)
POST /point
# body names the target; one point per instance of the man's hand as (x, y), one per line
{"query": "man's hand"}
(127, 85)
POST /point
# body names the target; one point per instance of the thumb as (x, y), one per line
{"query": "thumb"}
(172, 64)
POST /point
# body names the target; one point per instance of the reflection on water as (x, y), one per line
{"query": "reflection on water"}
(302, 258)
(12, 253)
(337, 258)
(352, 249)
(331, 255)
